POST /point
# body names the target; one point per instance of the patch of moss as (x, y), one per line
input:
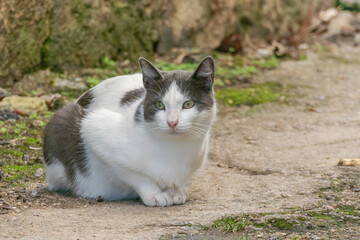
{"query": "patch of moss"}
(15, 174)
(282, 224)
(257, 94)
(234, 72)
(349, 210)
(232, 224)
(165, 66)
(266, 63)
(322, 216)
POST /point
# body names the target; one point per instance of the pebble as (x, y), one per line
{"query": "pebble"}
(64, 85)
(1, 174)
(39, 172)
(33, 193)
(17, 210)
(315, 237)
(309, 225)
(274, 238)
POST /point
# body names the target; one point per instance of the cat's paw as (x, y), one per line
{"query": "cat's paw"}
(179, 198)
(162, 199)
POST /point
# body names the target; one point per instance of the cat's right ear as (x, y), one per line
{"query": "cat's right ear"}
(149, 71)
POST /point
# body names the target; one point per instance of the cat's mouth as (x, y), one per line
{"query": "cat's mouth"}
(176, 132)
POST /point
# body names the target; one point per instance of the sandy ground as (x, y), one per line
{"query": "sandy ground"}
(263, 159)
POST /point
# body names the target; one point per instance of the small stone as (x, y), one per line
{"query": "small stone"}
(25, 157)
(66, 85)
(17, 210)
(39, 172)
(23, 105)
(327, 15)
(274, 238)
(33, 193)
(1, 174)
(6, 115)
(264, 53)
(1, 163)
(315, 237)
(309, 225)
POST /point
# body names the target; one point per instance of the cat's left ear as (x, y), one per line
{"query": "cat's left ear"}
(205, 72)
(149, 71)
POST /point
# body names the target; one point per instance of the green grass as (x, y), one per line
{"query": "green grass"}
(18, 174)
(234, 72)
(282, 224)
(165, 66)
(268, 63)
(92, 81)
(232, 224)
(259, 93)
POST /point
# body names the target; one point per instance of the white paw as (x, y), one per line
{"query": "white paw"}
(179, 198)
(162, 199)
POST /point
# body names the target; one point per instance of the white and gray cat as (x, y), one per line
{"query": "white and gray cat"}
(133, 135)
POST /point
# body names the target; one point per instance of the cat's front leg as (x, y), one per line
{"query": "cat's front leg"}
(177, 195)
(149, 191)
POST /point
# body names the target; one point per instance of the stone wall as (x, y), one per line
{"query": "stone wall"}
(68, 34)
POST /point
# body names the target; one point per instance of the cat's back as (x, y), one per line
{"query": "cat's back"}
(111, 93)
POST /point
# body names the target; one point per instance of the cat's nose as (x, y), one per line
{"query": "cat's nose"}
(173, 124)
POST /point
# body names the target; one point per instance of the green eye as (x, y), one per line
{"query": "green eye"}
(159, 105)
(188, 104)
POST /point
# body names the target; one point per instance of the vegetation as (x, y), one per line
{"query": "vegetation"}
(256, 94)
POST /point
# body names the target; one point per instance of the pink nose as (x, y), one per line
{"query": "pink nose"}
(173, 124)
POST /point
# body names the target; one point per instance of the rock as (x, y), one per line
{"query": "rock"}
(274, 238)
(6, 115)
(23, 105)
(66, 85)
(1, 163)
(264, 53)
(39, 173)
(327, 15)
(309, 225)
(33, 193)
(341, 24)
(1, 174)
(3, 93)
(315, 237)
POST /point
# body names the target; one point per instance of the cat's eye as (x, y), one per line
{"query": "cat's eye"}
(159, 105)
(188, 104)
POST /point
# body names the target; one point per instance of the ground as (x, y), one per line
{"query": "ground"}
(272, 171)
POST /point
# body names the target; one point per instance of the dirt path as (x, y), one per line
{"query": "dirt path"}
(266, 158)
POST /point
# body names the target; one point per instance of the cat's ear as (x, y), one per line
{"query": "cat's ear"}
(205, 72)
(149, 71)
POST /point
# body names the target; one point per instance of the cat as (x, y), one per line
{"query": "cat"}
(140, 135)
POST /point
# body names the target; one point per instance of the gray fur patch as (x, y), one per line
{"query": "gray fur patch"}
(132, 96)
(62, 140)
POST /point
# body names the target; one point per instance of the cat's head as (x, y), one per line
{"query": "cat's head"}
(179, 102)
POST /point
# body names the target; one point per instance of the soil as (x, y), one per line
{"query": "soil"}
(275, 162)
